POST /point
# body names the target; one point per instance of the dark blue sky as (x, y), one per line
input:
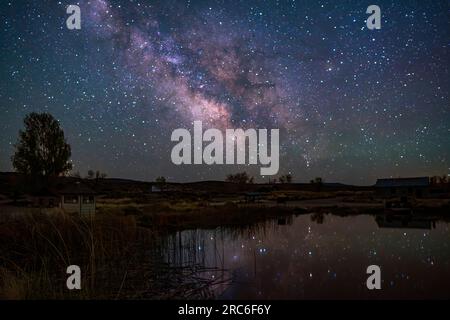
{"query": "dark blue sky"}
(351, 104)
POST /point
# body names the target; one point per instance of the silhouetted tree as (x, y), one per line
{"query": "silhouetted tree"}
(99, 175)
(287, 178)
(241, 178)
(434, 180)
(42, 150)
(161, 182)
(318, 182)
(439, 179)
(90, 174)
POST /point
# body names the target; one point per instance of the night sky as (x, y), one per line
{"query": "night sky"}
(351, 104)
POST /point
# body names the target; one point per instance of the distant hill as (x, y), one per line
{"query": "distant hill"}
(10, 180)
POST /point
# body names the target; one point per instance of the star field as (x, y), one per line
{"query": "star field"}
(351, 104)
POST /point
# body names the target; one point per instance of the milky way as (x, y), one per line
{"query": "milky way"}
(351, 104)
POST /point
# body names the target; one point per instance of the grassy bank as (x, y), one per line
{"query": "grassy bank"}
(189, 215)
(118, 259)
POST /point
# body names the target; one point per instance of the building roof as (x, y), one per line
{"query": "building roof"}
(403, 182)
(75, 188)
(44, 192)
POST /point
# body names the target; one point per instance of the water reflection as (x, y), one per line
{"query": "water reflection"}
(405, 222)
(319, 256)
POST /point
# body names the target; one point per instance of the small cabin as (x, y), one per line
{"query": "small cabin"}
(403, 187)
(77, 198)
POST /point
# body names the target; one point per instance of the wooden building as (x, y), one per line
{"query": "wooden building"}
(73, 197)
(403, 187)
(78, 198)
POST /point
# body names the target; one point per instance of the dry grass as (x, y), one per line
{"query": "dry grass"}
(118, 259)
(293, 195)
(37, 248)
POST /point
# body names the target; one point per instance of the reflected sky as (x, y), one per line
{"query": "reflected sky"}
(324, 256)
